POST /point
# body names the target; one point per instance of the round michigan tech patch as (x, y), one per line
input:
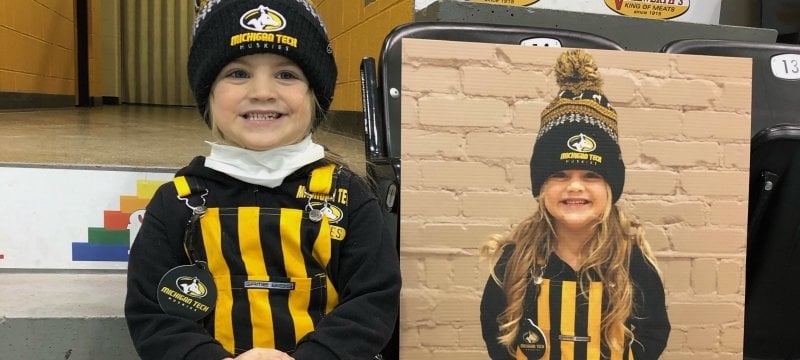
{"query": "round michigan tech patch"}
(187, 291)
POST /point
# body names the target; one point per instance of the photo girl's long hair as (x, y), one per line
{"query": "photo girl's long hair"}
(608, 261)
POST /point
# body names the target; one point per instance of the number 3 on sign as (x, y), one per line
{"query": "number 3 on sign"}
(786, 66)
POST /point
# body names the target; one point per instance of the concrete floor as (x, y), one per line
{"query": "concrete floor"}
(124, 135)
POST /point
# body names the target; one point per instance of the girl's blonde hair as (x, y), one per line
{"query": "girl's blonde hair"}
(608, 259)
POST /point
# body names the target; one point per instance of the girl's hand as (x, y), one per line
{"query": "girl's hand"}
(264, 354)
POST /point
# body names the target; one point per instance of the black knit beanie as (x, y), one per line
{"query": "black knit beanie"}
(579, 127)
(225, 30)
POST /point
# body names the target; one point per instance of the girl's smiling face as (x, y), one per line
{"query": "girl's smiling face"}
(575, 198)
(261, 102)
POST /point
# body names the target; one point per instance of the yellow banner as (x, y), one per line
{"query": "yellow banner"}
(507, 2)
(649, 9)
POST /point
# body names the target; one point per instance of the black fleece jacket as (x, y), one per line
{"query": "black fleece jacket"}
(366, 273)
(649, 322)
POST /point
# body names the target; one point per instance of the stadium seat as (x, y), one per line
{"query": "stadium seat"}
(381, 99)
(776, 75)
(773, 245)
(773, 232)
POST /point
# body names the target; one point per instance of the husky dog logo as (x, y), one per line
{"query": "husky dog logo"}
(530, 337)
(192, 286)
(263, 19)
(582, 143)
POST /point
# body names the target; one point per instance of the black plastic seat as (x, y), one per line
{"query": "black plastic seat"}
(773, 232)
(391, 55)
(381, 99)
(773, 246)
(775, 99)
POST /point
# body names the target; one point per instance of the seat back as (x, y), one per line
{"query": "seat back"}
(391, 55)
(776, 74)
(381, 98)
(773, 254)
(773, 245)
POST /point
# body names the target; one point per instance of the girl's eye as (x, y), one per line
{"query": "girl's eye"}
(593, 175)
(238, 74)
(559, 175)
(286, 75)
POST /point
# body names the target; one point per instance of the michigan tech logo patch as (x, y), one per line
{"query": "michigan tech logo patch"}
(192, 286)
(582, 143)
(263, 19)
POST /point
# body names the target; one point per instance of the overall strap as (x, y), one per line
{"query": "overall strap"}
(188, 185)
(321, 185)
(323, 179)
(193, 192)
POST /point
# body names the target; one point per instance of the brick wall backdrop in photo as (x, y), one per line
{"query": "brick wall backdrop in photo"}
(470, 114)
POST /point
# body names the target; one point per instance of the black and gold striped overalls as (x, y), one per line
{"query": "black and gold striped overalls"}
(571, 321)
(269, 266)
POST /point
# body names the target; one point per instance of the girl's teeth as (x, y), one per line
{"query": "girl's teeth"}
(270, 116)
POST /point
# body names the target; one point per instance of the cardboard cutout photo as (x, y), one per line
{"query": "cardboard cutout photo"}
(565, 203)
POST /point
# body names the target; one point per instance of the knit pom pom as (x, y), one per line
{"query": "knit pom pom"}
(576, 71)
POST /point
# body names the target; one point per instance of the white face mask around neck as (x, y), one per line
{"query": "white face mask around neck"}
(266, 168)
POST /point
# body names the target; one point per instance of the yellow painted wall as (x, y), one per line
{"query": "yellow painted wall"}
(357, 31)
(39, 47)
(38, 54)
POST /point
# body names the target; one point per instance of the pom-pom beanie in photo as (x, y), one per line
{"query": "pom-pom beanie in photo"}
(579, 127)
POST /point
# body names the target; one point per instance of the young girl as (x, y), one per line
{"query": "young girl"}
(264, 249)
(577, 279)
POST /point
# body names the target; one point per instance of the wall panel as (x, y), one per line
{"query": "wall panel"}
(155, 48)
